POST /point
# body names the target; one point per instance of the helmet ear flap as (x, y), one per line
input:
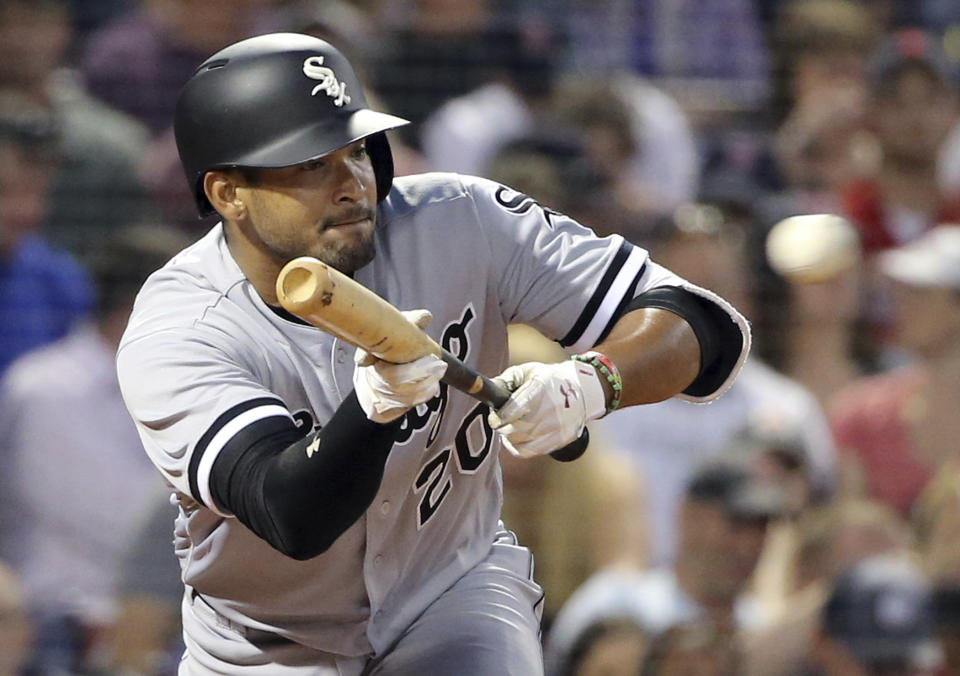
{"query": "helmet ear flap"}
(378, 148)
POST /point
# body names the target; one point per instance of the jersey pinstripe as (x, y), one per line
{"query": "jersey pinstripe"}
(205, 362)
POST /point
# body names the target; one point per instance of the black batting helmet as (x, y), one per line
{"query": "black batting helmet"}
(275, 101)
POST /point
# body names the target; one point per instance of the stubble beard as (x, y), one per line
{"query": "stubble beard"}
(348, 257)
(346, 254)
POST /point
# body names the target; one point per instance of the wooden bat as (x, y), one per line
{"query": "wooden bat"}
(332, 301)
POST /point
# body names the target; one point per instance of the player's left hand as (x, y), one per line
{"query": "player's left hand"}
(549, 407)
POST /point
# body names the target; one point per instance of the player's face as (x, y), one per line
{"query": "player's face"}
(325, 208)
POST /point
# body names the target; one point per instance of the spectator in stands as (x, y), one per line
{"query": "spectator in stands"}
(465, 132)
(43, 291)
(724, 517)
(637, 134)
(74, 483)
(780, 460)
(795, 153)
(95, 189)
(878, 619)
(822, 49)
(831, 538)
(894, 429)
(912, 106)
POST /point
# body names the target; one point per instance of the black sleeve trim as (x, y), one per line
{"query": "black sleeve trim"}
(622, 307)
(721, 340)
(208, 436)
(583, 321)
(301, 493)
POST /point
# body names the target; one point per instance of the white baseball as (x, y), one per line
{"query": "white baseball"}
(812, 247)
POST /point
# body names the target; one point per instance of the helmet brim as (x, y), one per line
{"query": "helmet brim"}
(315, 141)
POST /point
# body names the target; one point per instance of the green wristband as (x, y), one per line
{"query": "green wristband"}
(608, 370)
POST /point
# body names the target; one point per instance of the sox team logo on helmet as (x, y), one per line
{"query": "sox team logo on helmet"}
(314, 68)
(251, 105)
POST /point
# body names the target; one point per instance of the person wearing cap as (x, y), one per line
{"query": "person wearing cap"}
(723, 526)
(878, 620)
(828, 539)
(894, 429)
(911, 107)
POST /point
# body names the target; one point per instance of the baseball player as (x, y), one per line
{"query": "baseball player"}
(339, 514)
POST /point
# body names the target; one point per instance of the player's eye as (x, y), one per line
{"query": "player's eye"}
(313, 166)
(360, 151)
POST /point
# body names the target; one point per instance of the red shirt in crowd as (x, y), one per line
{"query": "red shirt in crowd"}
(862, 204)
(871, 421)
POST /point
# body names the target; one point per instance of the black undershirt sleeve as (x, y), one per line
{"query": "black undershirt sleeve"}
(300, 493)
(721, 340)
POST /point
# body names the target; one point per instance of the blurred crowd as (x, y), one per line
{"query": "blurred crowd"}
(799, 157)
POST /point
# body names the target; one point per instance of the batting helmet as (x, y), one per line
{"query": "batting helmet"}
(275, 101)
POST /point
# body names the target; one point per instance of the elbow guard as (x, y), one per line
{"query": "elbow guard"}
(720, 339)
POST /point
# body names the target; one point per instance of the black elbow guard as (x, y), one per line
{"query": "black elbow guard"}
(720, 339)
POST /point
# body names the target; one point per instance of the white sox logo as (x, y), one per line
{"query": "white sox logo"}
(314, 69)
(517, 203)
(472, 443)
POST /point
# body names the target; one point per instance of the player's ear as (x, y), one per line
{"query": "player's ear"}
(221, 189)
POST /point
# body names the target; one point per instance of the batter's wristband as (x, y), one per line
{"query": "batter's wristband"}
(608, 370)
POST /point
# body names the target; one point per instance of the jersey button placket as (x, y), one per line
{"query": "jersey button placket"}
(385, 508)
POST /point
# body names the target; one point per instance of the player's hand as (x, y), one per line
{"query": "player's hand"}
(549, 407)
(385, 390)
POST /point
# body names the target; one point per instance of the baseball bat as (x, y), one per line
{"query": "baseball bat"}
(332, 301)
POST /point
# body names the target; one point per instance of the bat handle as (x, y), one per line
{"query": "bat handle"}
(465, 379)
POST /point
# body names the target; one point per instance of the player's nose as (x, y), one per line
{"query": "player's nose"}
(350, 181)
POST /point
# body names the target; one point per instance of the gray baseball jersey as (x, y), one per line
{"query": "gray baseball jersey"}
(205, 361)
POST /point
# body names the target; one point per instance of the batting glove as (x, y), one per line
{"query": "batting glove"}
(386, 390)
(549, 407)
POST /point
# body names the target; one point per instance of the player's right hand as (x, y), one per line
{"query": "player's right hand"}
(549, 406)
(385, 390)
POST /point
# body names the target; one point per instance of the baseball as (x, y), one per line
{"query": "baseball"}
(812, 248)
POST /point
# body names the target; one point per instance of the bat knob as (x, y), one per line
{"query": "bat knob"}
(574, 449)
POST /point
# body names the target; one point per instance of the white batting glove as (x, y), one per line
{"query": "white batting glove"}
(549, 407)
(385, 390)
